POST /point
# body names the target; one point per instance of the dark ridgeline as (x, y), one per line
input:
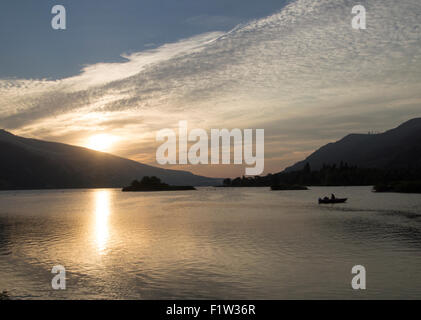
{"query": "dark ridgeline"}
(328, 175)
(399, 148)
(154, 184)
(35, 164)
(391, 161)
(388, 159)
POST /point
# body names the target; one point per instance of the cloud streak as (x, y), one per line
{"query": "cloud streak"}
(302, 73)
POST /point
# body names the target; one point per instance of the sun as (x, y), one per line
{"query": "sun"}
(100, 142)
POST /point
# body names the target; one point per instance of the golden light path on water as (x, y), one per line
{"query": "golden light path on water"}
(102, 213)
(227, 243)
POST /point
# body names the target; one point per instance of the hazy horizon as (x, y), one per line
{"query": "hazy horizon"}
(182, 167)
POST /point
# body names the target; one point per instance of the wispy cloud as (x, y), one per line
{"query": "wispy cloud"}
(303, 74)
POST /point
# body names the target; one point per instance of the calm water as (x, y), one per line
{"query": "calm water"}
(211, 243)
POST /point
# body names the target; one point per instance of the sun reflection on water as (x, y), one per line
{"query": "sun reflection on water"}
(102, 213)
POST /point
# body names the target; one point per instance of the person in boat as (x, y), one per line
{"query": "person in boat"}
(325, 198)
(332, 197)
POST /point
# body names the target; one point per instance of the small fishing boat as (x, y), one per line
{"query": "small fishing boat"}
(330, 200)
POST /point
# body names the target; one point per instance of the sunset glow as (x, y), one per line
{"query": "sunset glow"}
(101, 142)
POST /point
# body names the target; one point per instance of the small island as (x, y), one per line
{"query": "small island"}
(399, 187)
(153, 184)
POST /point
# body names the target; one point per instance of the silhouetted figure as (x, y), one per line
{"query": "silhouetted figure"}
(332, 196)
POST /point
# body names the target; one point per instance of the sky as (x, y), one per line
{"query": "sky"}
(127, 69)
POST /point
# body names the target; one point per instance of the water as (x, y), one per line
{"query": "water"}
(249, 243)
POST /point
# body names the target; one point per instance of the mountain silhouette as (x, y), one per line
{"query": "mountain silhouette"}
(36, 164)
(394, 149)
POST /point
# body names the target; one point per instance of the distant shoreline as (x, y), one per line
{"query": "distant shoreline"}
(195, 188)
(58, 188)
(155, 189)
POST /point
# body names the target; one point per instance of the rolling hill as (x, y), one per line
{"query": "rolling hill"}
(394, 149)
(36, 164)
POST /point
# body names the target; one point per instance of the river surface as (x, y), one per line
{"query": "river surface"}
(213, 243)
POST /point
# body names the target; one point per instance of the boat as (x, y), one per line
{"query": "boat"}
(330, 200)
